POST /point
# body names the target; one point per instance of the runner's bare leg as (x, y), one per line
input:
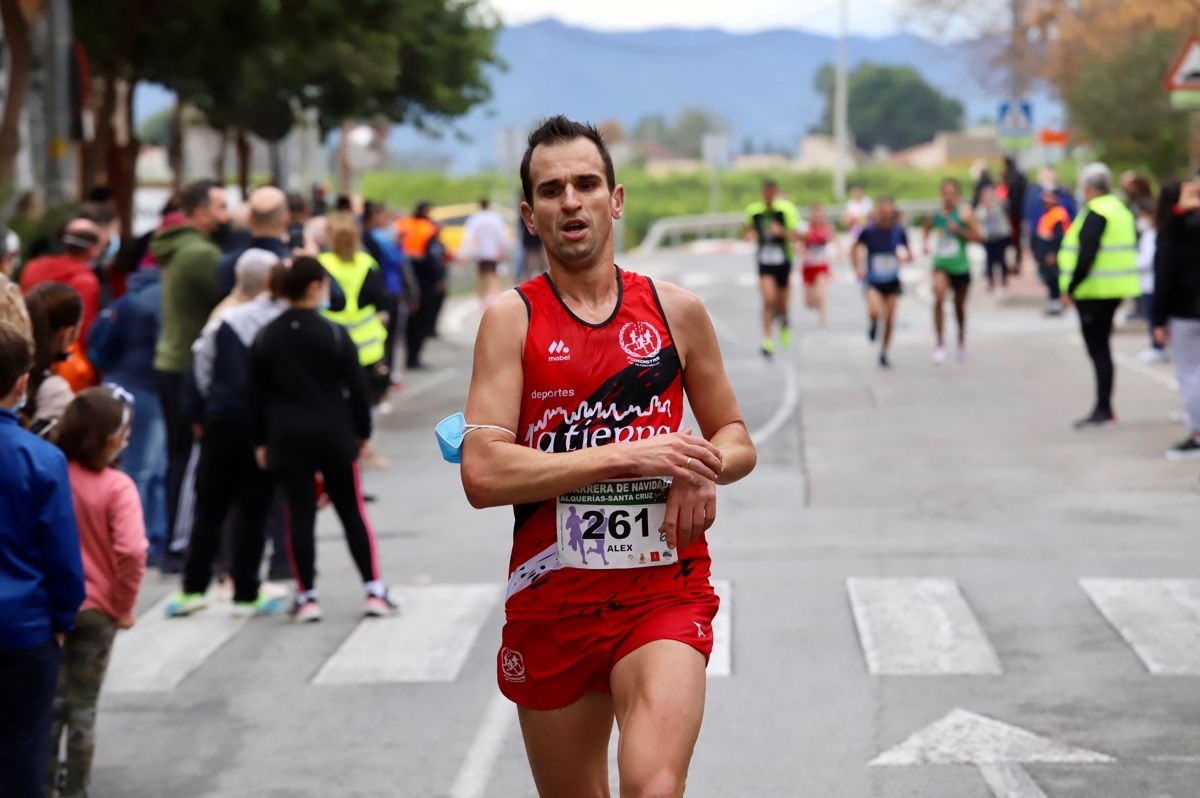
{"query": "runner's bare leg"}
(568, 747)
(658, 693)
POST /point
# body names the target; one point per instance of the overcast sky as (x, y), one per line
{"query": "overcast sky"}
(869, 17)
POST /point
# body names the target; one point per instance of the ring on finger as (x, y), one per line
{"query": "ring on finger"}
(688, 463)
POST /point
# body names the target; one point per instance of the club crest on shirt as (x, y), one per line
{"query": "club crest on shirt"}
(641, 343)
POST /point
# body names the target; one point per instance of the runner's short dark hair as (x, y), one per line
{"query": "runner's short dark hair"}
(770, 184)
(16, 356)
(952, 181)
(195, 195)
(560, 130)
(305, 271)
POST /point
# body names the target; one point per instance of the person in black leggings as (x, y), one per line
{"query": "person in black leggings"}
(310, 414)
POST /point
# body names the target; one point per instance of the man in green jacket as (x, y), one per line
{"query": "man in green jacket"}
(188, 260)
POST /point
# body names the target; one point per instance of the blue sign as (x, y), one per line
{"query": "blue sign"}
(1015, 119)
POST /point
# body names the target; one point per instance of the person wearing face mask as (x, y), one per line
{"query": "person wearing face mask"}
(83, 243)
(92, 434)
(41, 577)
(309, 413)
(56, 311)
(188, 259)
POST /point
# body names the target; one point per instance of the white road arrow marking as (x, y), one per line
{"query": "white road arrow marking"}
(996, 748)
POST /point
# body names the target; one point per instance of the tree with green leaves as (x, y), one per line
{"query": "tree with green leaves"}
(1117, 100)
(889, 106)
(249, 65)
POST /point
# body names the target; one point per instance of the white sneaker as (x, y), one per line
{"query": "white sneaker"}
(961, 353)
(939, 355)
(1152, 355)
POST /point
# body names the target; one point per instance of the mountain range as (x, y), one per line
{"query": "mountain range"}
(762, 83)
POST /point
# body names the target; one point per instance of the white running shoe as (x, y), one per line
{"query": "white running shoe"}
(939, 355)
(1152, 355)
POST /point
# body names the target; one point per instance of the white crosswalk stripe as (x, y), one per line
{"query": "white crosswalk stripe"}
(427, 641)
(914, 627)
(159, 652)
(1158, 618)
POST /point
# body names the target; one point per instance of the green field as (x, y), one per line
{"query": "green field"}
(649, 198)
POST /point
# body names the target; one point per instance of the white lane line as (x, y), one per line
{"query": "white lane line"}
(913, 627)
(454, 316)
(720, 662)
(427, 641)
(159, 652)
(786, 410)
(1166, 379)
(473, 776)
(1158, 618)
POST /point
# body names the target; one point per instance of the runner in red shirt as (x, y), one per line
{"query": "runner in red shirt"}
(818, 241)
(609, 604)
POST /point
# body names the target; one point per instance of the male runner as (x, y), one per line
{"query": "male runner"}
(877, 255)
(818, 239)
(773, 223)
(588, 366)
(956, 225)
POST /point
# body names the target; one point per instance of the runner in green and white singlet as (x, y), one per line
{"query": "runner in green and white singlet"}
(950, 229)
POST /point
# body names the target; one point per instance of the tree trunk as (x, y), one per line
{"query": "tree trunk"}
(243, 162)
(175, 146)
(122, 162)
(219, 160)
(98, 164)
(16, 37)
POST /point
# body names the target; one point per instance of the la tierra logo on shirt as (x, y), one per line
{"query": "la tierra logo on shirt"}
(640, 342)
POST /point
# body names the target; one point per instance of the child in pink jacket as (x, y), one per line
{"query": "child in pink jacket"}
(92, 433)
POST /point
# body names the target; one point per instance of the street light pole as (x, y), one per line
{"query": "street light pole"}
(840, 100)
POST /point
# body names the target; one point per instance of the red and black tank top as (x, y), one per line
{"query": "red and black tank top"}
(587, 385)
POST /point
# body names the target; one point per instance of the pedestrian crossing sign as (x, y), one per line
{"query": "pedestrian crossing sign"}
(1014, 124)
(1185, 74)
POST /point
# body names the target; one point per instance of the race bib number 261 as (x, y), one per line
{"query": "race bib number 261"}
(614, 524)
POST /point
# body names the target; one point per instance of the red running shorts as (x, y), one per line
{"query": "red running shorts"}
(551, 663)
(811, 273)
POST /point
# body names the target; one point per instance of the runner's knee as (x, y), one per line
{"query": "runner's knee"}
(658, 782)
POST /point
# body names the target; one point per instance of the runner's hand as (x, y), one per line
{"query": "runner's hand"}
(60, 638)
(126, 622)
(260, 457)
(691, 509)
(1160, 336)
(679, 455)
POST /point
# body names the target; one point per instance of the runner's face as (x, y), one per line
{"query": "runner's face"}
(573, 208)
(887, 214)
(949, 195)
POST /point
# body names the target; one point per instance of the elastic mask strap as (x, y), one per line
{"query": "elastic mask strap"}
(473, 427)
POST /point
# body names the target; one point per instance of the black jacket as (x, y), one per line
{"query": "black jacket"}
(308, 393)
(1177, 270)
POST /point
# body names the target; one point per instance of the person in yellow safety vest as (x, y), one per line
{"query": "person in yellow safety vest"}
(1097, 270)
(362, 281)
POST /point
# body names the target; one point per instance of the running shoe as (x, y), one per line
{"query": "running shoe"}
(939, 355)
(1096, 420)
(768, 347)
(884, 363)
(873, 330)
(184, 604)
(1153, 354)
(263, 606)
(380, 606)
(785, 337)
(306, 611)
(1187, 449)
(961, 353)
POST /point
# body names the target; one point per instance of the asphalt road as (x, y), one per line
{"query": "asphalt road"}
(932, 587)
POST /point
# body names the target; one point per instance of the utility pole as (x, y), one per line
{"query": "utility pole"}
(58, 109)
(840, 100)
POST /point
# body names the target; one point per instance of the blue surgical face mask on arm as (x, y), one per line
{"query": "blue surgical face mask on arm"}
(451, 431)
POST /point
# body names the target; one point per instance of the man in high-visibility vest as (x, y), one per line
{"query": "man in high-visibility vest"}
(1097, 270)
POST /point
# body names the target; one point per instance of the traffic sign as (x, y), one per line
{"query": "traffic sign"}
(1014, 124)
(1185, 74)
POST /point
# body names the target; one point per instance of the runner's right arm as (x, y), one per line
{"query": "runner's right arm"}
(497, 471)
